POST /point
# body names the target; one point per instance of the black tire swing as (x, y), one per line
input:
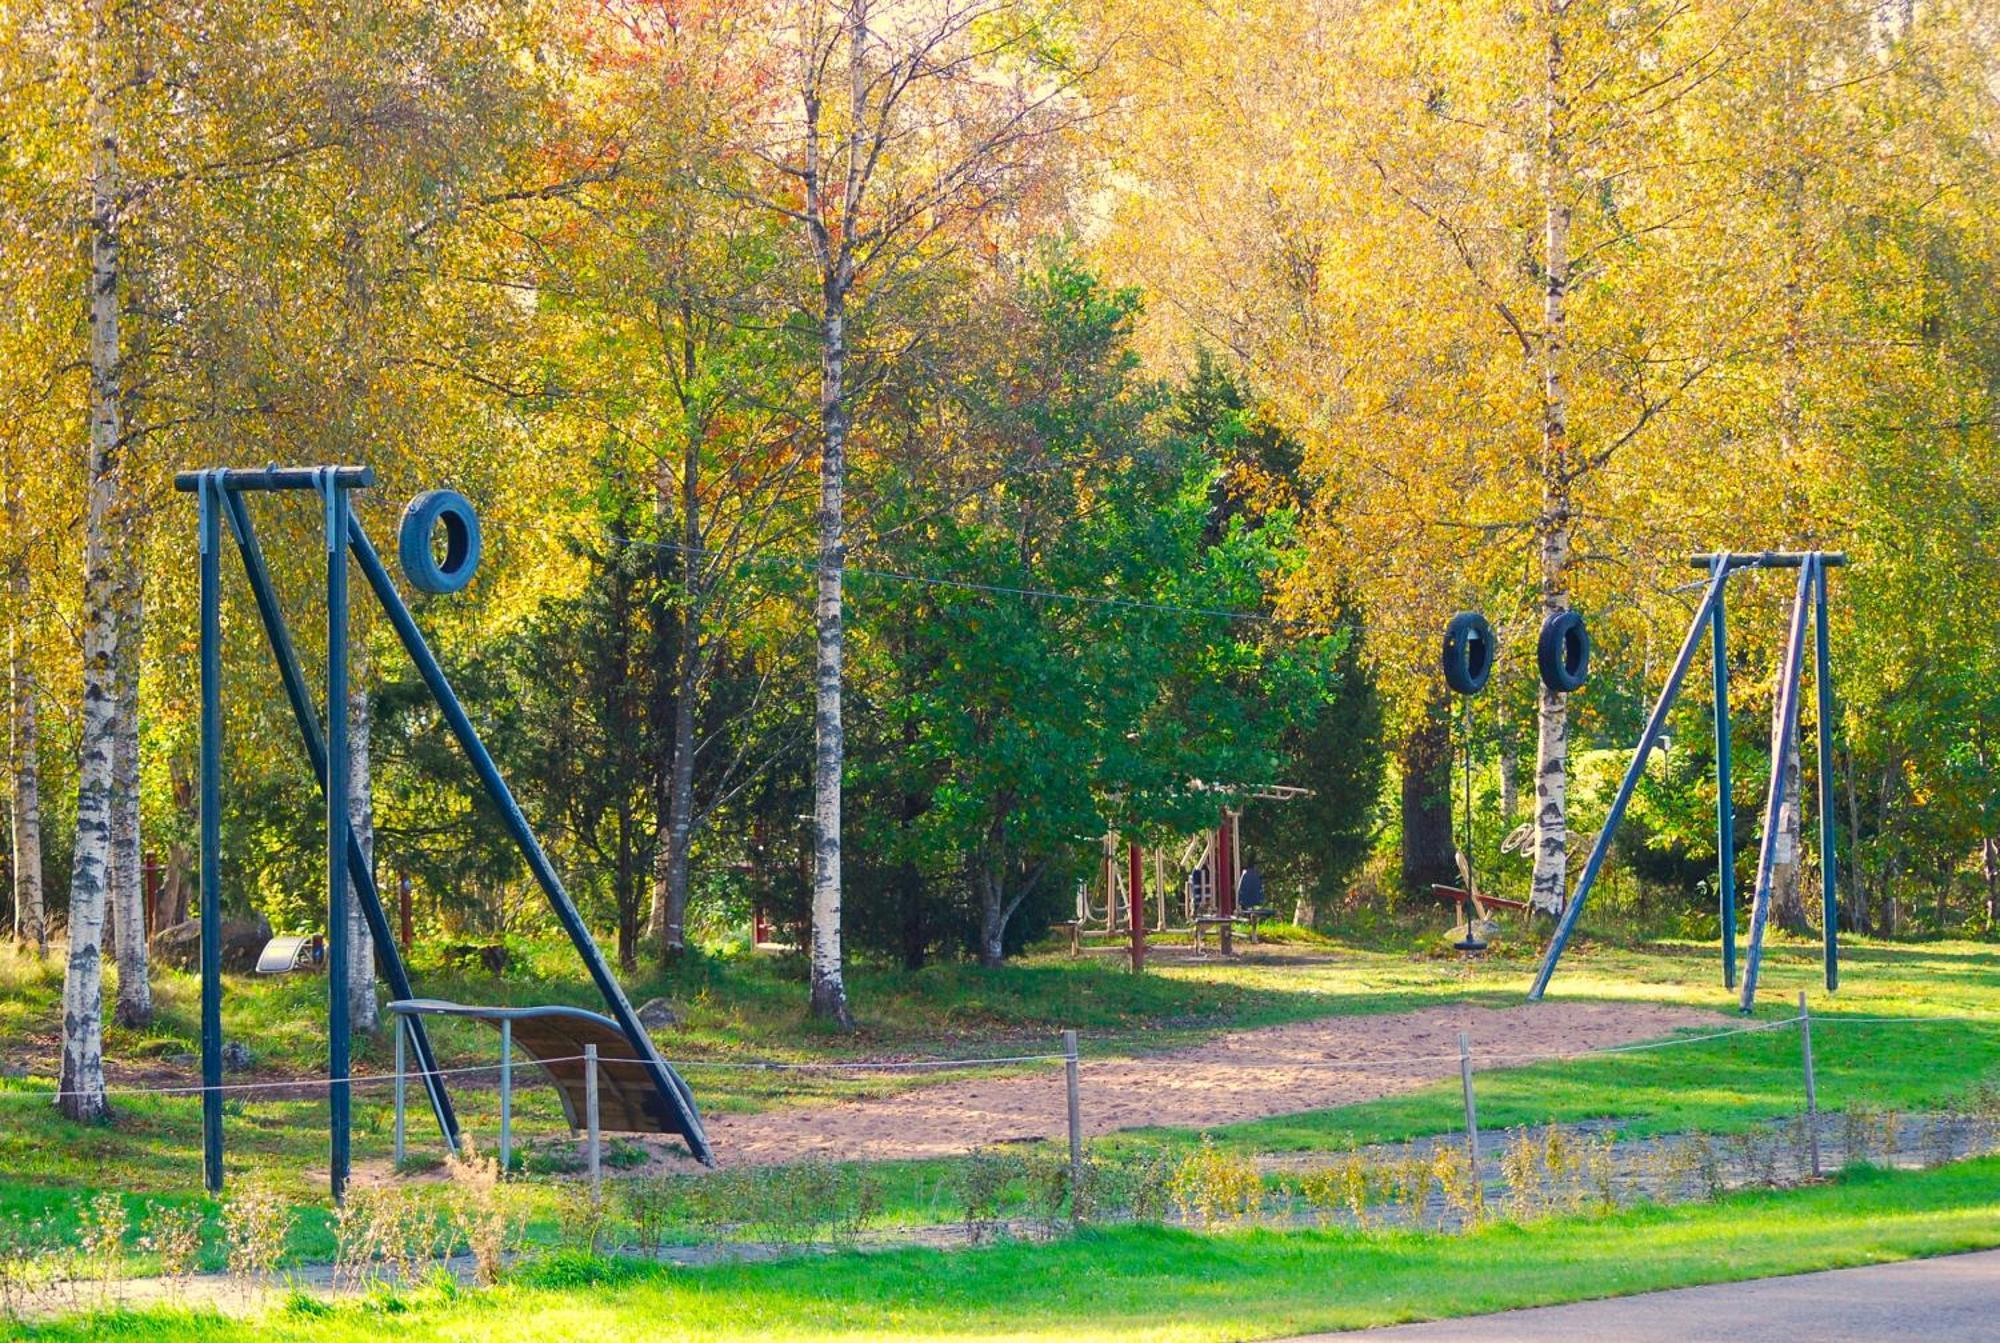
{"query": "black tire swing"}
(1562, 653)
(1470, 651)
(1562, 656)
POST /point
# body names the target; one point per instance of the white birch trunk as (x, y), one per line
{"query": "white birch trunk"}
(1550, 884)
(127, 881)
(836, 261)
(362, 1013)
(829, 991)
(679, 837)
(1786, 906)
(24, 744)
(80, 1091)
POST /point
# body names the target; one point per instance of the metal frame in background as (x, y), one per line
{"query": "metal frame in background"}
(1812, 567)
(218, 493)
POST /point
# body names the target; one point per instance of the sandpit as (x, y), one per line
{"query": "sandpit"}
(1310, 1065)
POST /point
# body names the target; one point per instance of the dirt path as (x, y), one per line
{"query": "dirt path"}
(1245, 1075)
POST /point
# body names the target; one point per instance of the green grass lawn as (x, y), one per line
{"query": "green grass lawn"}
(1149, 1283)
(749, 1007)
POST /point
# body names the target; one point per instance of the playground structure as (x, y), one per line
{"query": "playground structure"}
(1711, 613)
(1196, 880)
(660, 1101)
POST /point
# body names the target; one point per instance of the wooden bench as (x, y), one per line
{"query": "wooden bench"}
(1075, 927)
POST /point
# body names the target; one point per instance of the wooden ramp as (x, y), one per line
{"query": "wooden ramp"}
(630, 1094)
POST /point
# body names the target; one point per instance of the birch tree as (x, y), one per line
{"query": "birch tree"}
(80, 1090)
(24, 740)
(899, 130)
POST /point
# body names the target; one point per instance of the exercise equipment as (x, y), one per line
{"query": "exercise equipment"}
(220, 494)
(1810, 599)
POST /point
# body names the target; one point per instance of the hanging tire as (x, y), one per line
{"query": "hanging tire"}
(423, 565)
(1563, 652)
(1469, 649)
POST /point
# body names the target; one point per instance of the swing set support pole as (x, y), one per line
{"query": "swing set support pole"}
(1725, 803)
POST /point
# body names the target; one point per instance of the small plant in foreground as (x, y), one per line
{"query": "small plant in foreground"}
(1521, 1166)
(1211, 1186)
(983, 1179)
(1458, 1180)
(172, 1234)
(479, 1211)
(101, 1235)
(1340, 1187)
(255, 1222)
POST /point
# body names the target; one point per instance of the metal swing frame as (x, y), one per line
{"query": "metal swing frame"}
(1810, 598)
(219, 493)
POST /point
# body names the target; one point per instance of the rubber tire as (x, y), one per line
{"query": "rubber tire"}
(1563, 652)
(426, 513)
(1469, 652)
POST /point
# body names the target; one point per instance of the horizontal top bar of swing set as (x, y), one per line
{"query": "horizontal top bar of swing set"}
(1770, 559)
(280, 478)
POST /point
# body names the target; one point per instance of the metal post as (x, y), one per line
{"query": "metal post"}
(337, 833)
(507, 1094)
(279, 636)
(595, 1156)
(1471, 1108)
(1788, 726)
(1655, 725)
(402, 1088)
(1135, 893)
(1075, 1122)
(1828, 850)
(1812, 1089)
(210, 499)
(1725, 797)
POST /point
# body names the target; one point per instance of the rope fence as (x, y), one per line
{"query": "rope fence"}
(1009, 1060)
(1073, 1063)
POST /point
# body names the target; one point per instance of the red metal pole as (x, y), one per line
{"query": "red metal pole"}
(1136, 901)
(1225, 880)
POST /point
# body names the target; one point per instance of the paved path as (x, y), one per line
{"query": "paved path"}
(1955, 1299)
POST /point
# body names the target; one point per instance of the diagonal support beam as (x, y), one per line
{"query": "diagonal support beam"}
(1655, 725)
(278, 633)
(1788, 728)
(680, 1113)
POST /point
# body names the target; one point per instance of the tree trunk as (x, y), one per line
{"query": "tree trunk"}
(362, 1012)
(829, 990)
(1549, 889)
(127, 894)
(24, 746)
(80, 1091)
(1787, 905)
(1428, 846)
(836, 258)
(992, 914)
(687, 675)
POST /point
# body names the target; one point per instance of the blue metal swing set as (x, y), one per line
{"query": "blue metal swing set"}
(1711, 613)
(667, 1105)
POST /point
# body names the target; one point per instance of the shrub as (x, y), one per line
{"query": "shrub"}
(173, 1235)
(1211, 1186)
(255, 1222)
(1459, 1182)
(479, 1211)
(1341, 1187)
(982, 1182)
